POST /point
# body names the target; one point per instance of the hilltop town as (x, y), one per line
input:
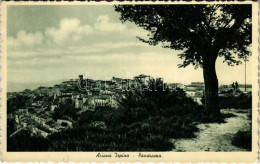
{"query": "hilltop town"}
(47, 110)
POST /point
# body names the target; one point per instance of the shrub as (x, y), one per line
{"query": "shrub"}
(242, 101)
(25, 142)
(243, 139)
(237, 100)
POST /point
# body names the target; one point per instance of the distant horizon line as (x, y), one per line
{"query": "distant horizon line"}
(56, 82)
(68, 79)
(62, 80)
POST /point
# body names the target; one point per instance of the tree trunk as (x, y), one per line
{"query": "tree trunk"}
(211, 87)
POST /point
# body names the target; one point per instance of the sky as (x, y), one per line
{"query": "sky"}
(50, 43)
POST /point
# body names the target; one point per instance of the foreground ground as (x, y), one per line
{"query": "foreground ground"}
(216, 137)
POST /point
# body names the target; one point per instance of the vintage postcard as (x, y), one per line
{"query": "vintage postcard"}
(129, 82)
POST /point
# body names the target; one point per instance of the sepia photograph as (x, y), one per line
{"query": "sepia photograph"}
(116, 78)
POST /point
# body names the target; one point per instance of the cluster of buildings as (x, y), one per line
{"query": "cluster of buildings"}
(37, 123)
(82, 94)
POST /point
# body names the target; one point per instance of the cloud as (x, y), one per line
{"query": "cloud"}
(72, 32)
(76, 39)
(69, 29)
(25, 39)
(103, 24)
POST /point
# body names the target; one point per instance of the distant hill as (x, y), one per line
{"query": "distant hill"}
(18, 87)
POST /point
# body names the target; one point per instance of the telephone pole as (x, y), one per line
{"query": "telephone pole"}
(245, 75)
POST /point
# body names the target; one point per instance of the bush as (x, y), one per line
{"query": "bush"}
(25, 142)
(242, 101)
(237, 100)
(243, 139)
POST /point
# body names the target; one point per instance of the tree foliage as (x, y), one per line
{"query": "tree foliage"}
(200, 31)
(17, 102)
(67, 108)
(152, 98)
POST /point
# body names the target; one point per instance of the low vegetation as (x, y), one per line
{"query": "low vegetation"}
(238, 101)
(233, 99)
(243, 139)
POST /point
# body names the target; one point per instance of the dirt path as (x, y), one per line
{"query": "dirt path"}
(215, 137)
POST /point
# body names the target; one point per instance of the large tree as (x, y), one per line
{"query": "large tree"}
(202, 33)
